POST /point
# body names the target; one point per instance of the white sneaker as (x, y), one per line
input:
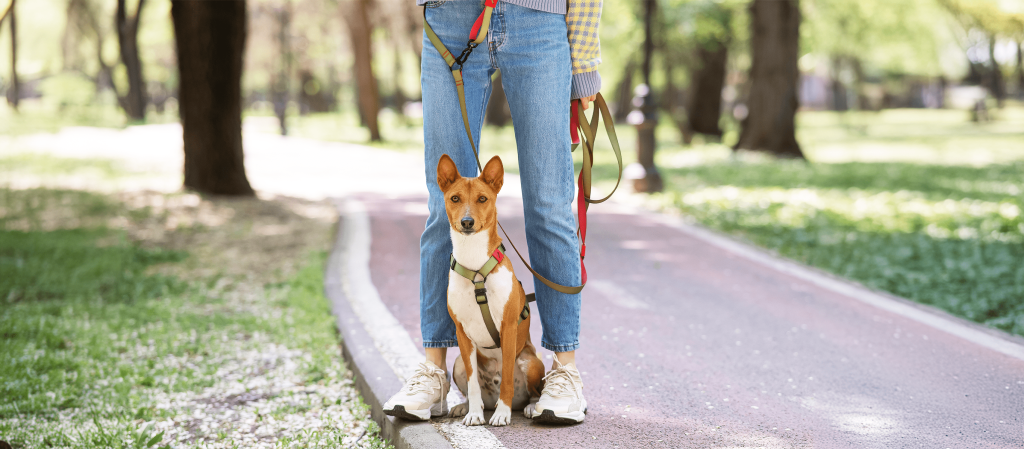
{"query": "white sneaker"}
(562, 401)
(422, 396)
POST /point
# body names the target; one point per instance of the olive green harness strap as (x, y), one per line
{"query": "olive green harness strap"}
(480, 291)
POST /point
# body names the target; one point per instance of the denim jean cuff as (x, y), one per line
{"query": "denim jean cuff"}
(441, 344)
(560, 348)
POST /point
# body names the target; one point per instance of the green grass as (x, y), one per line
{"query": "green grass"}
(100, 350)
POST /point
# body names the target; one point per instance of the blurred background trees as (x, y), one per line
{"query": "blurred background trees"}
(730, 71)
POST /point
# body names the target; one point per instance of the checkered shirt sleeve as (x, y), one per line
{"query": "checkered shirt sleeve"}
(582, 19)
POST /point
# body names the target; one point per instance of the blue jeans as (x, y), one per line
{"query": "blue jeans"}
(532, 51)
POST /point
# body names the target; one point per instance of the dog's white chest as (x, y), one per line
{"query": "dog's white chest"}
(462, 300)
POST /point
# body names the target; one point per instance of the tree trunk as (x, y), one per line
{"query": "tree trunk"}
(838, 89)
(675, 99)
(996, 82)
(646, 142)
(624, 92)
(357, 16)
(775, 40)
(210, 42)
(1020, 70)
(14, 93)
(398, 97)
(498, 113)
(414, 21)
(280, 88)
(128, 39)
(705, 105)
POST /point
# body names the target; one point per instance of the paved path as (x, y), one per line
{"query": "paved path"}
(686, 345)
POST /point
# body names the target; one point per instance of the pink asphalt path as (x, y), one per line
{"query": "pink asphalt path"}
(684, 345)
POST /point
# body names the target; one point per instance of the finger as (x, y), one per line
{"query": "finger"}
(585, 102)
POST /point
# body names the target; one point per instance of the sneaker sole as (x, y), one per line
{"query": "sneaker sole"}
(400, 412)
(438, 409)
(549, 417)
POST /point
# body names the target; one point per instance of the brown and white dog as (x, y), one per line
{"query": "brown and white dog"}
(505, 378)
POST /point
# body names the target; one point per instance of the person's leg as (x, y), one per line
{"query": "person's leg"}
(444, 132)
(423, 395)
(533, 54)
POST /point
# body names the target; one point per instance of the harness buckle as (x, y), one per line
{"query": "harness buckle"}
(481, 292)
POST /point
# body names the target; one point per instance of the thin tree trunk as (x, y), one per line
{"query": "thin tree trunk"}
(646, 143)
(705, 105)
(775, 40)
(674, 99)
(997, 82)
(398, 96)
(14, 93)
(624, 92)
(128, 39)
(414, 22)
(1020, 70)
(280, 89)
(358, 18)
(838, 89)
(210, 42)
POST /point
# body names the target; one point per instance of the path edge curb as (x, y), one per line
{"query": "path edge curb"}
(373, 376)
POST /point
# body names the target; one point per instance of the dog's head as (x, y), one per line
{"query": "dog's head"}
(470, 201)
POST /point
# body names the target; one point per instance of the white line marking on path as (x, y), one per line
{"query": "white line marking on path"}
(935, 321)
(389, 336)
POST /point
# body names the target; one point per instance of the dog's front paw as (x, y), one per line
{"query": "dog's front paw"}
(502, 415)
(458, 410)
(474, 418)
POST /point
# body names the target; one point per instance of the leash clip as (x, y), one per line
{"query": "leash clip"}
(461, 59)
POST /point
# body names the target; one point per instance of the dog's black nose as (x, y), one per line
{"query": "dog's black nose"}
(467, 223)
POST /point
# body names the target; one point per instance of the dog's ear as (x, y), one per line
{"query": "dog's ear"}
(447, 172)
(494, 173)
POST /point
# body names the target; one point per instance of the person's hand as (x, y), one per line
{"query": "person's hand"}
(585, 101)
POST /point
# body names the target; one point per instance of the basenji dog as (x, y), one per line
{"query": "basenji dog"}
(506, 374)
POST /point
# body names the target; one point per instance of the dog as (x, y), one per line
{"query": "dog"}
(506, 378)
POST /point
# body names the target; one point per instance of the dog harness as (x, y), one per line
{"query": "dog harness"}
(481, 291)
(578, 120)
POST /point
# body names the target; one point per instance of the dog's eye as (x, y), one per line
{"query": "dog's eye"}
(482, 199)
(455, 199)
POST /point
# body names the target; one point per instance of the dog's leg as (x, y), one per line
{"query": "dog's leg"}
(475, 411)
(459, 380)
(503, 411)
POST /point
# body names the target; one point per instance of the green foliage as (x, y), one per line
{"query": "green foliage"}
(905, 37)
(68, 89)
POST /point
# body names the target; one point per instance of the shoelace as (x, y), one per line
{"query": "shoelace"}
(560, 382)
(422, 380)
